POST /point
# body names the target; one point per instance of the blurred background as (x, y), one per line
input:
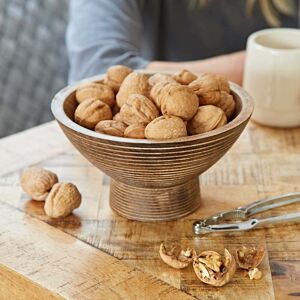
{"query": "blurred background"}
(33, 56)
(33, 61)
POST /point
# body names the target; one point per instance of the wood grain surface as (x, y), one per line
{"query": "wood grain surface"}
(96, 254)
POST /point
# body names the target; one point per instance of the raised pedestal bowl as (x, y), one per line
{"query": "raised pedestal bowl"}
(152, 180)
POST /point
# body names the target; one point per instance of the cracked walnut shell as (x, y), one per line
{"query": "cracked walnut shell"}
(214, 89)
(95, 90)
(185, 77)
(111, 127)
(37, 182)
(166, 127)
(214, 269)
(134, 83)
(249, 257)
(175, 256)
(138, 109)
(207, 118)
(178, 100)
(115, 76)
(62, 200)
(135, 131)
(92, 111)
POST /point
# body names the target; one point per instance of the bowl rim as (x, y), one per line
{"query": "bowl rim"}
(57, 108)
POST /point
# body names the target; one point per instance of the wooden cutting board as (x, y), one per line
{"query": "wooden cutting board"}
(96, 254)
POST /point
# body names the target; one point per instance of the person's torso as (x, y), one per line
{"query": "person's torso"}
(180, 30)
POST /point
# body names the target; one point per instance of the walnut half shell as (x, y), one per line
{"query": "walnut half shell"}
(175, 256)
(214, 269)
(249, 257)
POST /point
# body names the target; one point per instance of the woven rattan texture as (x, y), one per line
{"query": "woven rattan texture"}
(33, 61)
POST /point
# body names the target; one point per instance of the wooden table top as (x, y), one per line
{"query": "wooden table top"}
(96, 254)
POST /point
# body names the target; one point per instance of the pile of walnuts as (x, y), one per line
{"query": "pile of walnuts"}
(136, 105)
(210, 266)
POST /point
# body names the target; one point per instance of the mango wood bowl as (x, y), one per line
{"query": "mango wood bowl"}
(152, 179)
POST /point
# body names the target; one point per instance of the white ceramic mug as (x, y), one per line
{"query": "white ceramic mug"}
(272, 76)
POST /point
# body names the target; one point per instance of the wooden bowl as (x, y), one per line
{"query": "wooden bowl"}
(152, 179)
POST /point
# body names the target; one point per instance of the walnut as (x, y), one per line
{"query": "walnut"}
(184, 77)
(134, 83)
(111, 127)
(255, 274)
(95, 90)
(227, 104)
(37, 182)
(156, 91)
(178, 100)
(135, 131)
(62, 200)
(115, 76)
(175, 256)
(138, 109)
(249, 257)
(117, 117)
(208, 117)
(92, 111)
(211, 268)
(165, 127)
(158, 77)
(214, 89)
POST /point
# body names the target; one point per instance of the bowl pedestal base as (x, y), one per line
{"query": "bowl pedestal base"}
(155, 204)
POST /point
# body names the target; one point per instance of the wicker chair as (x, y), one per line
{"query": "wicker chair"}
(33, 61)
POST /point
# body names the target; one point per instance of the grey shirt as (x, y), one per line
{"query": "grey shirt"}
(102, 33)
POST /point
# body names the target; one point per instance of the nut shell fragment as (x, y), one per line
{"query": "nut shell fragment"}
(138, 109)
(111, 127)
(249, 257)
(95, 90)
(165, 127)
(175, 256)
(37, 182)
(207, 118)
(62, 200)
(212, 268)
(92, 111)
